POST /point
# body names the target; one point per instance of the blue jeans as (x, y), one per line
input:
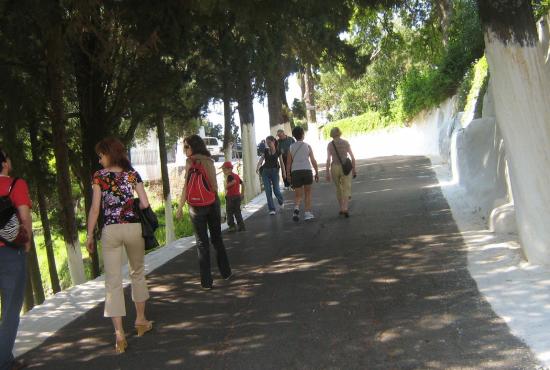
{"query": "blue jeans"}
(270, 177)
(12, 284)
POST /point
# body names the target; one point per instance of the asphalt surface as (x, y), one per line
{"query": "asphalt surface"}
(387, 288)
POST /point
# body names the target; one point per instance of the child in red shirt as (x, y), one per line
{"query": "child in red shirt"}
(233, 196)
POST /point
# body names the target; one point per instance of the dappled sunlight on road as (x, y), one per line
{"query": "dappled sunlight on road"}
(386, 288)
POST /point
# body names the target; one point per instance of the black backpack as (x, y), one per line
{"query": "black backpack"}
(9, 222)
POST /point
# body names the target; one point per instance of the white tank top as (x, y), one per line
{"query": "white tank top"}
(300, 156)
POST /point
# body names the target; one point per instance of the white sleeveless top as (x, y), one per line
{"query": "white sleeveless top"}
(300, 156)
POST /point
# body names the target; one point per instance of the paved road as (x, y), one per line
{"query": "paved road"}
(387, 288)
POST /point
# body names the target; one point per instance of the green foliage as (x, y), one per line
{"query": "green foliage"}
(421, 89)
(60, 253)
(479, 77)
(362, 124)
(541, 8)
(182, 228)
(464, 90)
(301, 123)
(213, 130)
(427, 86)
(298, 109)
(412, 66)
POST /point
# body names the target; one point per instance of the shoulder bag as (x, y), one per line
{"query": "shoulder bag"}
(346, 165)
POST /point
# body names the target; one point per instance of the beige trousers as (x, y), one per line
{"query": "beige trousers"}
(342, 182)
(113, 239)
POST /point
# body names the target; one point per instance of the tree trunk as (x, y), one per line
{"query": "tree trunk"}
(52, 268)
(309, 100)
(168, 213)
(519, 84)
(309, 96)
(93, 118)
(228, 125)
(28, 300)
(34, 269)
(445, 12)
(245, 102)
(274, 103)
(43, 209)
(301, 82)
(54, 60)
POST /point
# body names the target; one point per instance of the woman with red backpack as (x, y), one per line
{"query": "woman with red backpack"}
(200, 192)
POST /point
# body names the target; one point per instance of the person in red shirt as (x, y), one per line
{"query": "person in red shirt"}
(13, 265)
(234, 186)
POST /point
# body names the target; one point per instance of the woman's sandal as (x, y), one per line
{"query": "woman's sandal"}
(143, 328)
(121, 345)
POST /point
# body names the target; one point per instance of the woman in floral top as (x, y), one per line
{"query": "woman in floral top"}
(117, 195)
(113, 191)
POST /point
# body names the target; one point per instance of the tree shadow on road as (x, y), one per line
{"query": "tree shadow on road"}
(387, 288)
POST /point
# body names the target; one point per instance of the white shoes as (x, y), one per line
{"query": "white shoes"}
(282, 206)
(272, 213)
(308, 216)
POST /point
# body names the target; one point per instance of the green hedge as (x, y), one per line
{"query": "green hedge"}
(358, 125)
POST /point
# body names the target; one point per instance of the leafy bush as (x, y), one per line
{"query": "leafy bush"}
(427, 86)
(298, 109)
(358, 125)
(415, 64)
(422, 90)
(182, 227)
(302, 123)
(541, 8)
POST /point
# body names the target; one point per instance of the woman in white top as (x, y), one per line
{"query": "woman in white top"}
(300, 161)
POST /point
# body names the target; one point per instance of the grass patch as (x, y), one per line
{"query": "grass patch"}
(182, 228)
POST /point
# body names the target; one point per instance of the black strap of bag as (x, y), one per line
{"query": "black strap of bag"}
(347, 166)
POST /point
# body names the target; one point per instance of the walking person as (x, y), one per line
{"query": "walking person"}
(234, 188)
(341, 168)
(261, 147)
(284, 144)
(206, 218)
(13, 267)
(268, 167)
(299, 165)
(113, 193)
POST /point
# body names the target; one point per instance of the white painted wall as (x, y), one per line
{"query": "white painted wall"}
(522, 94)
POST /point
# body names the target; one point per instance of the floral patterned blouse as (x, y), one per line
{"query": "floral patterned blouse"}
(117, 195)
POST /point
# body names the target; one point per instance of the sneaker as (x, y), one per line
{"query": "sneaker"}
(272, 213)
(231, 229)
(228, 277)
(296, 215)
(308, 216)
(282, 206)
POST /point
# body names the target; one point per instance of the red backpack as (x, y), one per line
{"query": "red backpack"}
(199, 190)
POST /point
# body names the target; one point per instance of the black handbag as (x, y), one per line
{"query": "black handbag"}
(149, 223)
(346, 165)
